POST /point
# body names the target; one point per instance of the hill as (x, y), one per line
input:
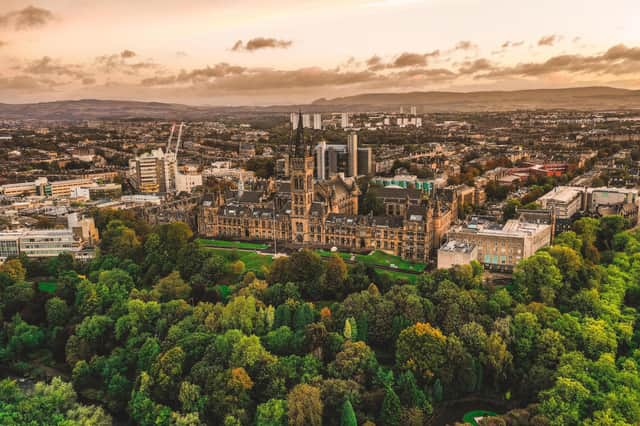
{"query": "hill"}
(584, 98)
(597, 98)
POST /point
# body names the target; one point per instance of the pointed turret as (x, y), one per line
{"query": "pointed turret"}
(300, 148)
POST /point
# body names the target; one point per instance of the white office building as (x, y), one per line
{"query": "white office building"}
(293, 119)
(306, 121)
(321, 169)
(317, 121)
(352, 155)
(344, 121)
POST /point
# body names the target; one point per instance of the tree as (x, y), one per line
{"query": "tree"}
(587, 229)
(498, 357)
(272, 413)
(537, 278)
(356, 361)
(347, 331)
(510, 209)
(307, 270)
(15, 270)
(120, 240)
(167, 372)
(569, 263)
(57, 311)
(348, 417)
(565, 402)
(335, 276)
(610, 226)
(391, 409)
(189, 397)
(304, 406)
(421, 348)
(569, 239)
(171, 287)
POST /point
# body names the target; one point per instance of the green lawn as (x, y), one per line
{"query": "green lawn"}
(252, 261)
(232, 244)
(471, 415)
(398, 275)
(379, 258)
(47, 286)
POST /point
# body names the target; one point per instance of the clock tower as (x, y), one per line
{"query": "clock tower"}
(301, 174)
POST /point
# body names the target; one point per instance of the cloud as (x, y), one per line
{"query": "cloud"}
(549, 40)
(117, 62)
(260, 43)
(195, 76)
(229, 78)
(617, 60)
(472, 67)
(48, 66)
(508, 44)
(3, 43)
(465, 45)
(87, 81)
(373, 61)
(27, 18)
(403, 60)
(126, 54)
(407, 59)
(20, 83)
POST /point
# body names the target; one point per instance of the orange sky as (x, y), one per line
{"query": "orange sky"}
(260, 52)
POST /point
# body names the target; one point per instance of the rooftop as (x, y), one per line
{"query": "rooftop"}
(458, 246)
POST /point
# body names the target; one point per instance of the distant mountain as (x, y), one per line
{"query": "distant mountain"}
(91, 109)
(598, 98)
(593, 98)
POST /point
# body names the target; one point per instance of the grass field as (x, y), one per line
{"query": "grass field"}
(252, 261)
(47, 286)
(232, 244)
(379, 258)
(472, 415)
(255, 262)
(398, 275)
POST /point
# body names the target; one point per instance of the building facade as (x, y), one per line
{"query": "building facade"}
(306, 213)
(501, 247)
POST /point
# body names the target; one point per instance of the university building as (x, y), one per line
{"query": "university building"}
(500, 247)
(304, 212)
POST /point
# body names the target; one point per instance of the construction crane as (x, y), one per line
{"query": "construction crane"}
(170, 149)
(179, 140)
(173, 128)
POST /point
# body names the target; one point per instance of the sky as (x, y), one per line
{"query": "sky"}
(262, 52)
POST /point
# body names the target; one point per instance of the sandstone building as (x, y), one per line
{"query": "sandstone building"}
(305, 213)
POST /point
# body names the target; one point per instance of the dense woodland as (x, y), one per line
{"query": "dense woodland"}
(158, 330)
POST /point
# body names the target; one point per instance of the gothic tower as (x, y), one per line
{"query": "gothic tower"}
(301, 174)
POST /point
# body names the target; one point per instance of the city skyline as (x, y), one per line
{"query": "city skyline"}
(252, 53)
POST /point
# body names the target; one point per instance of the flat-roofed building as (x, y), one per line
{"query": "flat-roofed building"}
(564, 201)
(147, 172)
(9, 244)
(454, 253)
(107, 190)
(605, 196)
(501, 247)
(26, 189)
(64, 188)
(48, 243)
(406, 181)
